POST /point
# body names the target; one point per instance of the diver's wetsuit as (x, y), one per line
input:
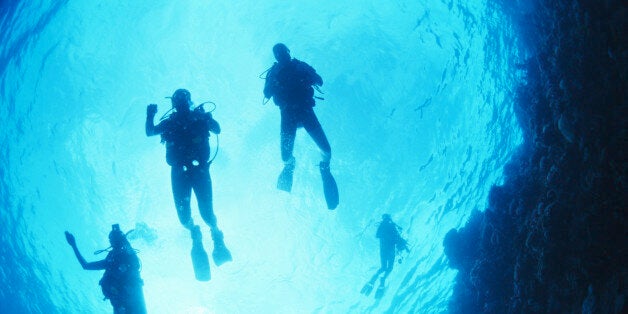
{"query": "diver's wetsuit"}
(122, 284)
(187, 151)
(388, 238)
(291, 119)
(290, 85)
(198, 179)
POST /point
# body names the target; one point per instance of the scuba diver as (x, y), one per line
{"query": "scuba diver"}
(390, 244)
(186, 135)
(121, 283)
(289, 82)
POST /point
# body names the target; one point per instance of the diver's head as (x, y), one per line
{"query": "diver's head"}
(117, 238)
(386, 218)
(281, 52)
(181, 100)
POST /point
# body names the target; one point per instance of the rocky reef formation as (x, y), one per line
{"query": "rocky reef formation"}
(554, 238)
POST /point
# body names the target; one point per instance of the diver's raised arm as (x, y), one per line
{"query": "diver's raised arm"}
(151, 130)
(86, 265)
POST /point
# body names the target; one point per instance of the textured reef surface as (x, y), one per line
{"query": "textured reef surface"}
(554, 237)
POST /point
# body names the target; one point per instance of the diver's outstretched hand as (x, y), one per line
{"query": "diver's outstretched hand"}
(70, 238)
(151, 110)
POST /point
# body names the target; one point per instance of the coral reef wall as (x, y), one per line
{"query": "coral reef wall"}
(554, 238)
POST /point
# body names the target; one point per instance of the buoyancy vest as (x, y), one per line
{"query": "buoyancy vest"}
(122, 274)
(291, 83)
(187, 138)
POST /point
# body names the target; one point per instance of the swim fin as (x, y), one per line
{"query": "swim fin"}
(200, 261)
(329, 186)
(284, 182)
(366, 290)
(380, 291)
(220, 254)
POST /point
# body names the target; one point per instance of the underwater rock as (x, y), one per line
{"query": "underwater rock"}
(566, 129)
(553, 238)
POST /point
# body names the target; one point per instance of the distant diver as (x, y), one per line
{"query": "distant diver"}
(289, 82)
(390, 244)
(121, 283)
(186, 135)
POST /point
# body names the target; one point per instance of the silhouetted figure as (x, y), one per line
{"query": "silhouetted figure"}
(390, 244)
(186, 135)
(121, 283)
(289, 82)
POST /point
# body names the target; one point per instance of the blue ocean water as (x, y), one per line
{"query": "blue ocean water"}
(418, 110)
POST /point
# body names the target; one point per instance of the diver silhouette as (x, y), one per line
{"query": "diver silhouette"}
(186, 135)
(121, 283)
(390, 244)
(289, 82)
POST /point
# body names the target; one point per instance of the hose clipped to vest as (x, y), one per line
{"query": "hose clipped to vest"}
(216, 152)
(263, 76)
(217, 140)
(318, 89)
(197, 108)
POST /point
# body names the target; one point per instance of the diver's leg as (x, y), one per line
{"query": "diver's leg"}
(368, 286)
(181, 191)
(383, 262)
(383, 254)
(203, 190)
(134, 300)
(389, 262)
(391, 259)
(288, 133)
(118, 305)
(202, 184)
(139, 304)
(315, 130)
(313, 127)
(377, 273)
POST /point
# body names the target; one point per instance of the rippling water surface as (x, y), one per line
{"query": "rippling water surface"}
(417, 108)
